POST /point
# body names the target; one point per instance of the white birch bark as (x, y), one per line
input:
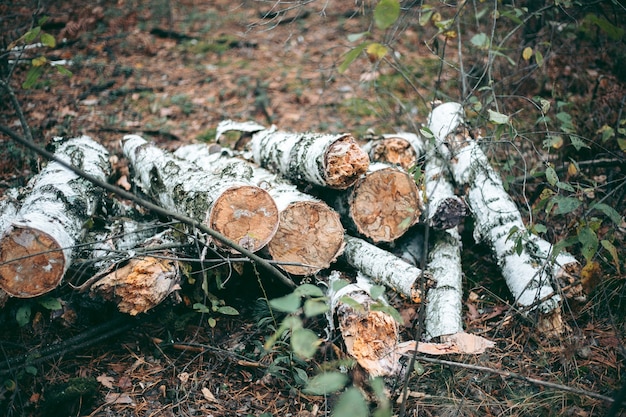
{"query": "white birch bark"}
(334, 161)
(36, 249)
(494, 212)
(384, 268)
(224, 202)
(310, 233)
(8, 208)
(370, 336)
(382, 205)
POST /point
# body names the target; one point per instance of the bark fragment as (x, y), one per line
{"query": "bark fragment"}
(36, 249)
(237, 209)
(309, 233)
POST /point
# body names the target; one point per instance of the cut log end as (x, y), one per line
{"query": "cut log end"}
(385, 204)
(449, 213)
(31, 262)
(310, 233)
(345, 162)
(246, 215)
(394, 150)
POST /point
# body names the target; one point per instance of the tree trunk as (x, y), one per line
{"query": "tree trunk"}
(334, 161)
(36, 249)
(242, 212)
(309, 236)
(381, 205)
(384, 268)
(494, 212)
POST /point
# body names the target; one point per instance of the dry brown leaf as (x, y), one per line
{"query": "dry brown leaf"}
(106, 380)
(208, 395)
(115, 398)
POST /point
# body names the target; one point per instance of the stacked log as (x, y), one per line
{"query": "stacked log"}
(310, 234)
(37, 247)
(240, 211)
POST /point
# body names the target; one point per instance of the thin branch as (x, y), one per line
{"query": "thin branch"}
(150, 206)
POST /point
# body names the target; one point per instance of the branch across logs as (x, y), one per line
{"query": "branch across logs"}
(309, 232)
(36, 249)
(242, 212)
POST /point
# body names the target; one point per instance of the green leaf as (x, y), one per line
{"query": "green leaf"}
(315, 307)
(351, 56)
(609, 211)
(228, 310)
(289, 303)
(498, 118)
(32, 77)
(578, 143)
(63, 71)
(613, 251)
(351, 404)
(310, 290)
(30, 370)
(351, 302)
(386, 308)
(551, 176)
(386, 13)
(22, 316)
(427, 133)
(539, 228)
(353, 37)
(326, 383)
(376, 291)
(50, 303)
(211, 322)
(480, 40)
(565, 186)
(565, 204)
(300, 376)
(201, 308)
(539, 58)
(304, 343)
(48, 40)
(425, 16)
(32, 34)
(589, 240)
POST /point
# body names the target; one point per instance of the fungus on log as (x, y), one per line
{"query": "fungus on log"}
(381, 205)
(384, 268)
(310, 234)
(495, 214)
(240, 211)
(334, 161)
(36, 249)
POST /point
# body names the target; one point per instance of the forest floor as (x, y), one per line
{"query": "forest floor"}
(172, 71)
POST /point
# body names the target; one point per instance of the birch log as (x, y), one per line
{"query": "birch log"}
(135, 272)
(310, 234)
(384, 268)
(371, 336)
(396, 149)
(8, 211)
(334, 161)
(36, 249)
(382, 205)
(242, 212)
(495, 214)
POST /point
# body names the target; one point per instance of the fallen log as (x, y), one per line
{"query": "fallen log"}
(384, 268)
(395, 149)
(495, 215)
(334, 161)
(8, 211)
(242, 212)
(310, 234)
(382, 205)
(36, 249)
(371, 336)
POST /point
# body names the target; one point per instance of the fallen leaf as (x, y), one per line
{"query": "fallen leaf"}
(115, 398)
(105, 380)
(208, 395)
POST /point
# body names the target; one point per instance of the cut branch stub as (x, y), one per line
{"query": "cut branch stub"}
(382, 205)
(334, 161)
(309, 233)
(240, 211)
(36, 249)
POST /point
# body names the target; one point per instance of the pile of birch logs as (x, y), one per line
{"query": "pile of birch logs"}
(300, 199)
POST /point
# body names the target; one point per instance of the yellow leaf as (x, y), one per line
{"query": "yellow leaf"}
(39, 61)
(527, 53)
(590, 276)
(376, 51)
(571, 169)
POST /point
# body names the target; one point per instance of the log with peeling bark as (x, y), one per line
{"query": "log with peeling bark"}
(381, 206)
(370, 335)
(384, 268)
(334, 161)
(37, 247)
(135, 272)
(310, 234)
(240, 211)
(495, 215)
(398, 149)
